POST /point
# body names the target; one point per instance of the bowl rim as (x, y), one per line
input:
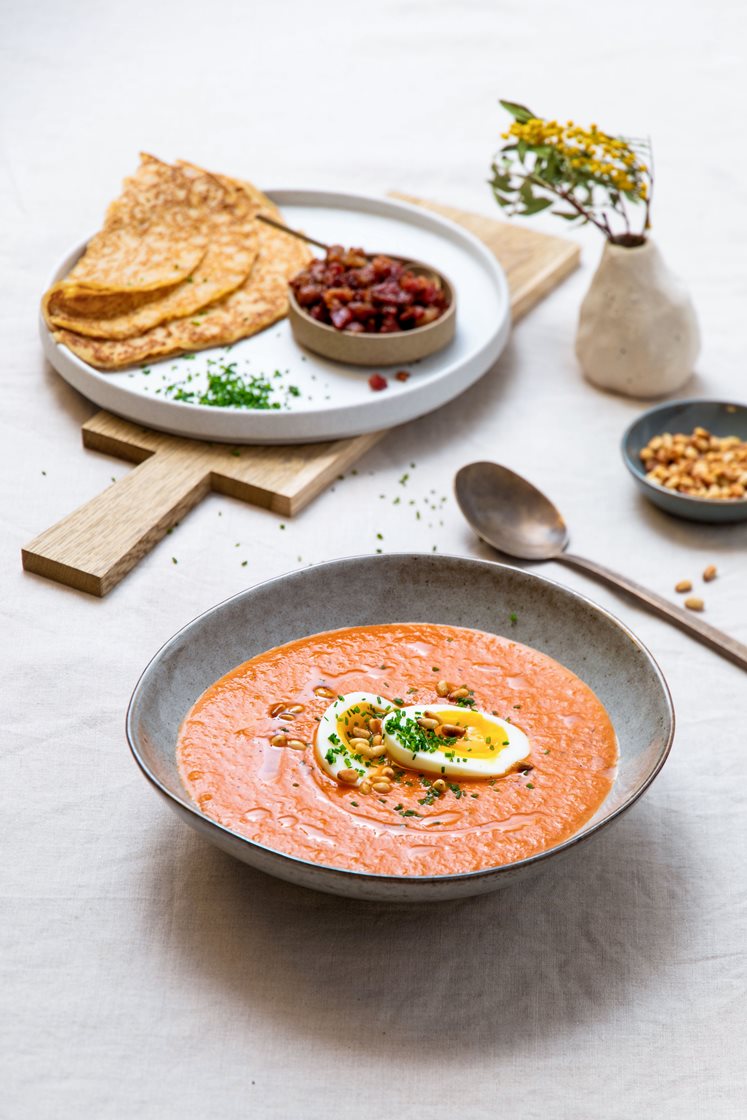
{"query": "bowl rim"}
(636, 469)
(375, 877)
(449, 313)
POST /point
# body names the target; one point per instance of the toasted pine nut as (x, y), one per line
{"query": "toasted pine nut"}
(297, 744)
(710, 573)
(276, 709)
(683, 585)
(439, 785)
(443, 688)
(365, 786)
(377, 752)
(382, 786)
(387, 772)
(359, 744)
(359, 732)
(459, 694)
(279, 740)
(327, 693)
(694, 604)
(428, 723)
(348, 777)
(452, 731)
(295, 708)
(375, 726)
(377, 740)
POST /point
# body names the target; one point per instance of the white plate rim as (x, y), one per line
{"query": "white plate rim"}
(382, 411)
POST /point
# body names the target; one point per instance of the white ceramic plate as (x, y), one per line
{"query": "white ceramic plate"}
(333, 401)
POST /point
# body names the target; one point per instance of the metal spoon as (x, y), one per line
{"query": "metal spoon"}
(518, 520)
(414, 266)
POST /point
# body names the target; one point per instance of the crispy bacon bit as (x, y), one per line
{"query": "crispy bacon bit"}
(402, 375)
(377, 382)
(375, 295)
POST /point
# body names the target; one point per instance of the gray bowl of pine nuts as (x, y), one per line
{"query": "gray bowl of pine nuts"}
(689, 458)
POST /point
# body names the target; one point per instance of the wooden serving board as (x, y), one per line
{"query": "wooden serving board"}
(95, 546)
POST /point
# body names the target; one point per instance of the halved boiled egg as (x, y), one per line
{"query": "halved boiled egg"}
(452, 741)
(349, 739)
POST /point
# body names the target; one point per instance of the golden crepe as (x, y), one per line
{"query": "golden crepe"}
(227, 220)
(151, 236)
(260, 301)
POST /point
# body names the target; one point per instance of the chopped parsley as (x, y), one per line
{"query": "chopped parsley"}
(226, 388)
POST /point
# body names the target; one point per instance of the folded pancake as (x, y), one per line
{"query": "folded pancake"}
(260, 301)
(151, 237)
(226, 219)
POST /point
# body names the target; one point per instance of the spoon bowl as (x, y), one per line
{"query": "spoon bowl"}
(509, 513)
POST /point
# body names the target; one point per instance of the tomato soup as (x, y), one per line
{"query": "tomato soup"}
(250, 754)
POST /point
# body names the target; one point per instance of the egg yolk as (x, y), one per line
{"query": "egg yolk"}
(483, 739)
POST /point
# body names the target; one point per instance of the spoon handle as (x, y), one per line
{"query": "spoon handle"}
(716, 639)
(293, 232)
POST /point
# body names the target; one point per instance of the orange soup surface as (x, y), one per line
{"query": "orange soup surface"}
(283, 797)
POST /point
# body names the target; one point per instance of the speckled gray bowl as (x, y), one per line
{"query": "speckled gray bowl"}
(404, 588)
(722, 418)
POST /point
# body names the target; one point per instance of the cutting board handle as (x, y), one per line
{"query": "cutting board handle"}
(92, 548)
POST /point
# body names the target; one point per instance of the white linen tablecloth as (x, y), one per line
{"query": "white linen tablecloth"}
(145, 973)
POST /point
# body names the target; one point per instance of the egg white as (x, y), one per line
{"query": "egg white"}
(491, 747)
(331, 743)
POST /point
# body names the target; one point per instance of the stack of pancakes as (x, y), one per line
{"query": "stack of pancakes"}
(181, 264)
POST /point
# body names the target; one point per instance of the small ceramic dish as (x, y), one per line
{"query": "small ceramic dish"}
(721, 418)
(407, 588)
(368, 349)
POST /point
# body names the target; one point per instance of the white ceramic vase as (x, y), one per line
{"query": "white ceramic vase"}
(637, 330)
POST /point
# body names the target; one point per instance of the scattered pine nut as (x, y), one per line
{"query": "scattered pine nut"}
(382, 786)
(348, 777)
(459, 693)
(710, 573)
(443, 688)
(439, 785)
(694, 604)
(683, 585)
(296, 744)
(452, 731)
(327, 693)
(279, 740)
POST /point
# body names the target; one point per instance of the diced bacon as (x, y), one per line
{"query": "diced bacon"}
(341, 318)
(377, 295)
